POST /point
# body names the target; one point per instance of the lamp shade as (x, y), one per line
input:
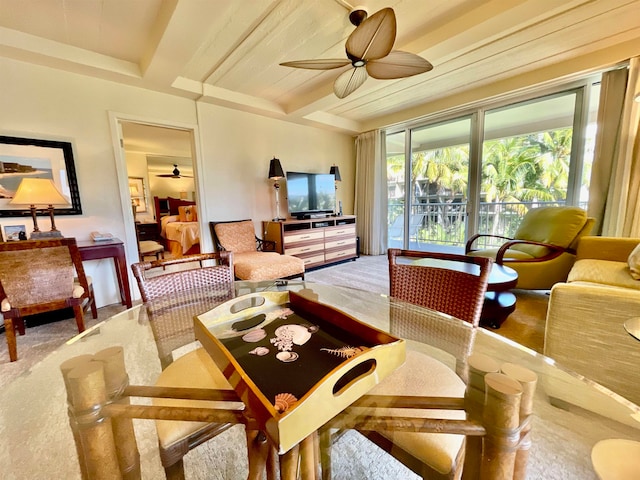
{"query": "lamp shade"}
(336, 172)
(275, 169)
(38, 191)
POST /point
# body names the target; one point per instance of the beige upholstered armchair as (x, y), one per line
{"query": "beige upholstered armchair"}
(253, 258)
(542, 250)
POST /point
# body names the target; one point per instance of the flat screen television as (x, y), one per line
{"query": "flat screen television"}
(310, 193)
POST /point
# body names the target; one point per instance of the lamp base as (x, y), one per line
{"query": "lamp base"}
(45, 235)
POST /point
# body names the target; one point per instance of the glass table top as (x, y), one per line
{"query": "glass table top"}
(571, 413)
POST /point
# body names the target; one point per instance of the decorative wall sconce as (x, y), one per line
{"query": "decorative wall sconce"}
(276, 173)
(42, 192)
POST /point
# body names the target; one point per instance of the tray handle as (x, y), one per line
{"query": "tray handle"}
(355, 374)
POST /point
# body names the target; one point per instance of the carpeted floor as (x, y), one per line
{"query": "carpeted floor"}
(211, 461)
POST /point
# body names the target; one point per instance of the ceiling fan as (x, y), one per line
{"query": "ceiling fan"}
(369, 52)
(174, 174)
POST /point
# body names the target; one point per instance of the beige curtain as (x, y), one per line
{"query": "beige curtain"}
(370, 199)
(615, 175)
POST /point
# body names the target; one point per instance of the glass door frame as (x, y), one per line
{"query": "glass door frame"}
(477, 113)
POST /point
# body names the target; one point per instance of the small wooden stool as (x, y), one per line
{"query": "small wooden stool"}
(616, 459)
(150, 247)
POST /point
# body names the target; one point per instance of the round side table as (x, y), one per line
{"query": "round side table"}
(616, 459)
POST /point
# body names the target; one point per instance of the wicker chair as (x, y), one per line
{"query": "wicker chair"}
(457, 293)
(254, 259)
(423, 278)
(39, 276)
(172, 326)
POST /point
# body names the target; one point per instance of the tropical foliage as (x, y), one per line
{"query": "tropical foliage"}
(517, 172)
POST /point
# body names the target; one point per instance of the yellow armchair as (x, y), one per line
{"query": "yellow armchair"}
(543, 249)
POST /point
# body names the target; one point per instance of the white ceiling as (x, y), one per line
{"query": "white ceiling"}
(228, 52)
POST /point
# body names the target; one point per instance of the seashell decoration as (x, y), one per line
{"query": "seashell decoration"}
(284, 401)
(298, 334)
(344, 352)
(287, 357)
(254, 335)
(259, 351)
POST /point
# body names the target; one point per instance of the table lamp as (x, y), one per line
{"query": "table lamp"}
(40, 191)
(335, 171)
(276, 173)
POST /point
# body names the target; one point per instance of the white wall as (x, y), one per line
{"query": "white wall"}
(237, 148)
(39, 102)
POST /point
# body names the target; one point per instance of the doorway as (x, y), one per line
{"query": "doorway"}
(148, 155)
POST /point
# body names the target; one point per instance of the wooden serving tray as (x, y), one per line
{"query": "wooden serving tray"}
(294, 362)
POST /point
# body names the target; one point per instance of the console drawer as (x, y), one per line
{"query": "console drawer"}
(312, 247)
(341, 242)
(303, 236)
(344, 252)
(340, 231)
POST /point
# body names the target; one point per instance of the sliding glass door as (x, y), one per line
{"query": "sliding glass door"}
(483, 171)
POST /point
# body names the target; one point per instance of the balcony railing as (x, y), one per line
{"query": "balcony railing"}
(445, 223)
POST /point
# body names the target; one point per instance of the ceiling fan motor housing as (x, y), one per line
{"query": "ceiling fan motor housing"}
(358, 15)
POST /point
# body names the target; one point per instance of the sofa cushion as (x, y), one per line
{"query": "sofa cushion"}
(634, 262)
(604, 272)
(553, 225)
(258, 266)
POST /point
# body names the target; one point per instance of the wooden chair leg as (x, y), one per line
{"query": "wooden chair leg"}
(79, 314)
(175, 471)
(92, 299)
(10, 333)
(18, 324)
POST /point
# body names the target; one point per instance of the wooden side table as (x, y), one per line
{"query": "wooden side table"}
(90, 250)
(499, 302)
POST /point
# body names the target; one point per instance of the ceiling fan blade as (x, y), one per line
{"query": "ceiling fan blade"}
(319, 64)
(398, 65)
(348, 81)
(374, 37)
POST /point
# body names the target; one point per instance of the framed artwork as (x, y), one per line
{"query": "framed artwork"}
(138, 195)
(33, 158)
(13, 233)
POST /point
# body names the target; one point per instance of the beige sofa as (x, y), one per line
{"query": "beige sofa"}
(585, 319)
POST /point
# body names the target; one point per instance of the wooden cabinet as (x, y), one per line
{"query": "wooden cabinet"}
(318, 241)
(147, 231)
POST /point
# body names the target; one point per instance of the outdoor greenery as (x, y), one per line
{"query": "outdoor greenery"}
(517, 173)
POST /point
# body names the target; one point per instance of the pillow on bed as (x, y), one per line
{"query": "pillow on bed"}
(187, 213)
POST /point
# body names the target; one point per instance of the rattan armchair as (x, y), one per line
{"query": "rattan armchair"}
(39, 276)
(254, 259)
(172, 326)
